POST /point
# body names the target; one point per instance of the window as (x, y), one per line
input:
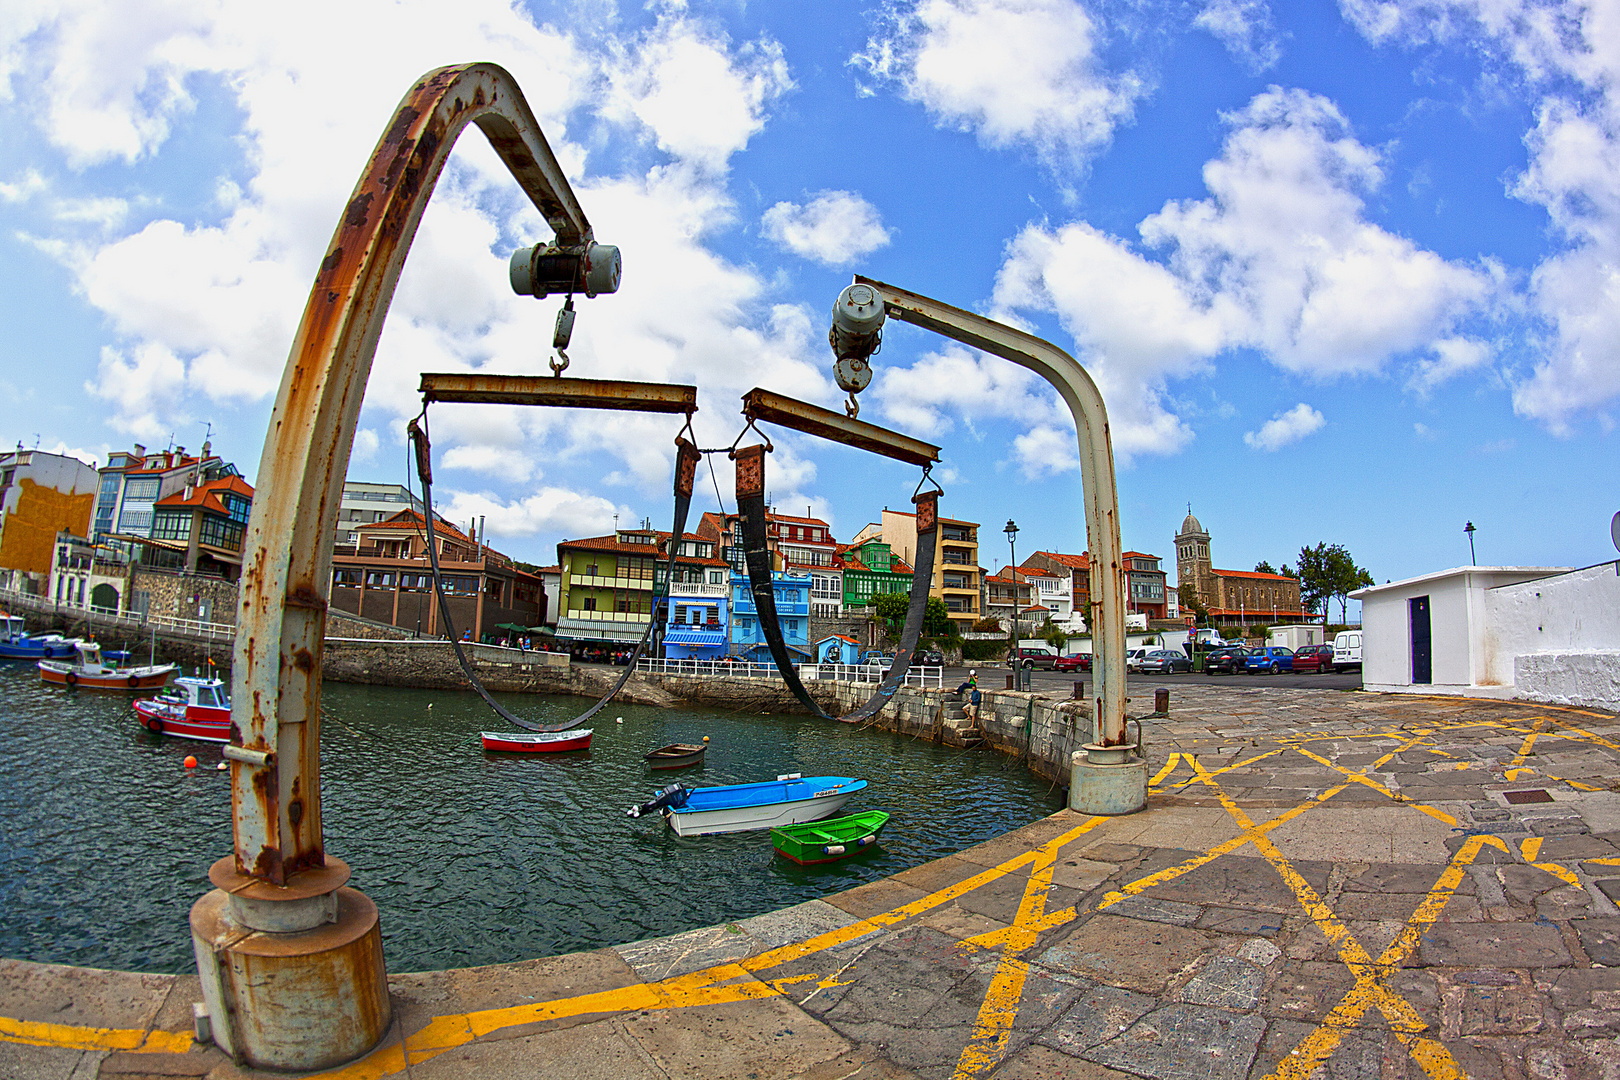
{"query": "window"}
(171, 525)
(379, 579)
(145, 487)
(590, 603)
(222, 533)
(347, 578)
(592, 570)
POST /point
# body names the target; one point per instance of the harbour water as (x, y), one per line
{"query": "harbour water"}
(473, 858)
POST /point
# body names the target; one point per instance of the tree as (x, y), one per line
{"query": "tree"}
(1263, 567)
(1327, 571)
(892, 607)
(1053, 635)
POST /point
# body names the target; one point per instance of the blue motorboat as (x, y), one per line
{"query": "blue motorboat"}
(788, 800)
(17, 644)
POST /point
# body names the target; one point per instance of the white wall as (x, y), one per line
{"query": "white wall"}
(1457, 619)
(1296, 637)
(1570, 613)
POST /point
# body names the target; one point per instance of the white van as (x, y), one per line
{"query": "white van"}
(1346, 650)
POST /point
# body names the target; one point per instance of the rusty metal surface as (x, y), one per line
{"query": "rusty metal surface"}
(814, 420)
(1101, 493)
(286, 569)
(559, 393)
(308, 1000)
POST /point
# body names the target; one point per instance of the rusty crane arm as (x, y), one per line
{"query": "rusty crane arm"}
(286, 567)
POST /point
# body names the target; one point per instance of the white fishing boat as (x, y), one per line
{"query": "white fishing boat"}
(788, 800)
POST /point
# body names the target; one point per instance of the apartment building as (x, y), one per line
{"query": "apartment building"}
(956, 579)
(610, 584)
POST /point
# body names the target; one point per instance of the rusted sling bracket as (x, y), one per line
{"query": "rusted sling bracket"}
(559, 393)
(814, 420)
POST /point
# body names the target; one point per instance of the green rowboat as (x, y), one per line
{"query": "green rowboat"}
(830, 840)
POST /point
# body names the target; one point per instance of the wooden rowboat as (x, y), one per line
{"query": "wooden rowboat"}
(675, 756)
(830, 840)
(536, 742)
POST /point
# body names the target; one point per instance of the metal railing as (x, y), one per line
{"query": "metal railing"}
(124, 620)
(919, 675)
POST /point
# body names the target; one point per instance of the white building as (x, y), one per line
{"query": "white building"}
(1529, 632)
(365, 503)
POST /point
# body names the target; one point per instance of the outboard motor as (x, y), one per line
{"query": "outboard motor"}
(673, 796)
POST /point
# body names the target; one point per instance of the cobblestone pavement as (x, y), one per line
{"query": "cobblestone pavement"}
(1324, 885)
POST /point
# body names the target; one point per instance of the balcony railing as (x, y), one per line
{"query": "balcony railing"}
(918, 675)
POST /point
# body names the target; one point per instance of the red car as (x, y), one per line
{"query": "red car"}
(1317, 658)
(1077, 662)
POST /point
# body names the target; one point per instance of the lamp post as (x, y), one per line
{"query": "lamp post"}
(1469, 529)
(1012, 568)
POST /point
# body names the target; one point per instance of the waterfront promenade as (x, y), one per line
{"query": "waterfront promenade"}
(1381, 886)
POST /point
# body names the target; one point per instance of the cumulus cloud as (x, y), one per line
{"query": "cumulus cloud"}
(205, 308)
(834, 228)
(1279, 258)
(549, 510)
(1285, 428)
(1567, 56)
(1015, 72)
(1245, 28)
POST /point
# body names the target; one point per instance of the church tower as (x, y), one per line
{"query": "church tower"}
(1194, 577)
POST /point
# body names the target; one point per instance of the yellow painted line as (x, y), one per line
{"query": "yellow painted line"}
(1559, 872)
(1438, 815)
(75, 1037)
(995, 939)
(1369, 990)
(1511, 773)
(1169, 767)
(1531, 848)
(988, 1043)
(1235, 765)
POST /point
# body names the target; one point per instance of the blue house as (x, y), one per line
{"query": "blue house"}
(838, 649)
(699, 621)
(792, 610)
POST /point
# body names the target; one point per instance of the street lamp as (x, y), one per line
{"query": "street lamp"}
(1012, 567)
(1469, 529)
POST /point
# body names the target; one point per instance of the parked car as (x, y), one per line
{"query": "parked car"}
(1227, 661)
(929, 658)
(1346, 650)
(1163, 662)
(879, 660)
(1317, 658)
(1134, 657)
(1076, 662)
(1272, 659)
(1034, 656)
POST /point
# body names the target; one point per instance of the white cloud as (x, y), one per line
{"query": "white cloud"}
(365, 447)
(1279, 258)
(206, 309)
(1452, 357)
(549, 510)
(701, 99)
(834, 228)
(1013, 71)
(922, 399)
(1285, 428)
(1567, 58)
(1245, 28)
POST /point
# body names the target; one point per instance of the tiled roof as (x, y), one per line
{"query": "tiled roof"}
(1253, 574)
(207, 495)
(614, 544)
(1138, 555)
(413, 520)
(1075, 562)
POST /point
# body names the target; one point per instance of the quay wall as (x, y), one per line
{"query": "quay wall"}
(431, 665)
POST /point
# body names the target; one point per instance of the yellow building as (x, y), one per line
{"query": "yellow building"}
(956, 560)
(41, 494)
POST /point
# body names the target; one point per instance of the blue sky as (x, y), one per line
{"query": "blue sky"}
(1343, 272)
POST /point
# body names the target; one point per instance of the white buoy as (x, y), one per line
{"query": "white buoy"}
(620, 720)
(222, 766)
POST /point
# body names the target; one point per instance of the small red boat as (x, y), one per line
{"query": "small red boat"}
(89, 671)
(193, 708)
(536, 742)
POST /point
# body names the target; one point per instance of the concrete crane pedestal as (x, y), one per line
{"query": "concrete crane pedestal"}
(292, 976)
(1107, 780)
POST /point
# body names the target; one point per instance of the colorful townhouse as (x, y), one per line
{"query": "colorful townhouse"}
(610, 584)
(792, 611)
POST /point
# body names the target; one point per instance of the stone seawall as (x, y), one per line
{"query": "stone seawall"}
(431, 665)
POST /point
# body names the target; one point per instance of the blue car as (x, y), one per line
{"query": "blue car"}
(1270, 659)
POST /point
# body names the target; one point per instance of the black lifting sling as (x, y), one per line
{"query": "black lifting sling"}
(686, 459)
(751, 512)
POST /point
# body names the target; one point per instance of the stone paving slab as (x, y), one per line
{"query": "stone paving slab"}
(1217, 934)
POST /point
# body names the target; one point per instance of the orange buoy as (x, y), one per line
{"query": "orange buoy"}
(190, 762)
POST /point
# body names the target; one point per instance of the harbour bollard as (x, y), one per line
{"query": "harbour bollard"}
(1161, 700)
(1079, 690)
(1010, 677)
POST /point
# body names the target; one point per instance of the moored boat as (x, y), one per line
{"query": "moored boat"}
(17, 644)
(830, 840)
(787, 800)
(536, 742)
(89, 669)
(675, 756)
(191, 708)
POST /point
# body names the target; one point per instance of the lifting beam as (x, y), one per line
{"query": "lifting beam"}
(560, 393)
(814, 420)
